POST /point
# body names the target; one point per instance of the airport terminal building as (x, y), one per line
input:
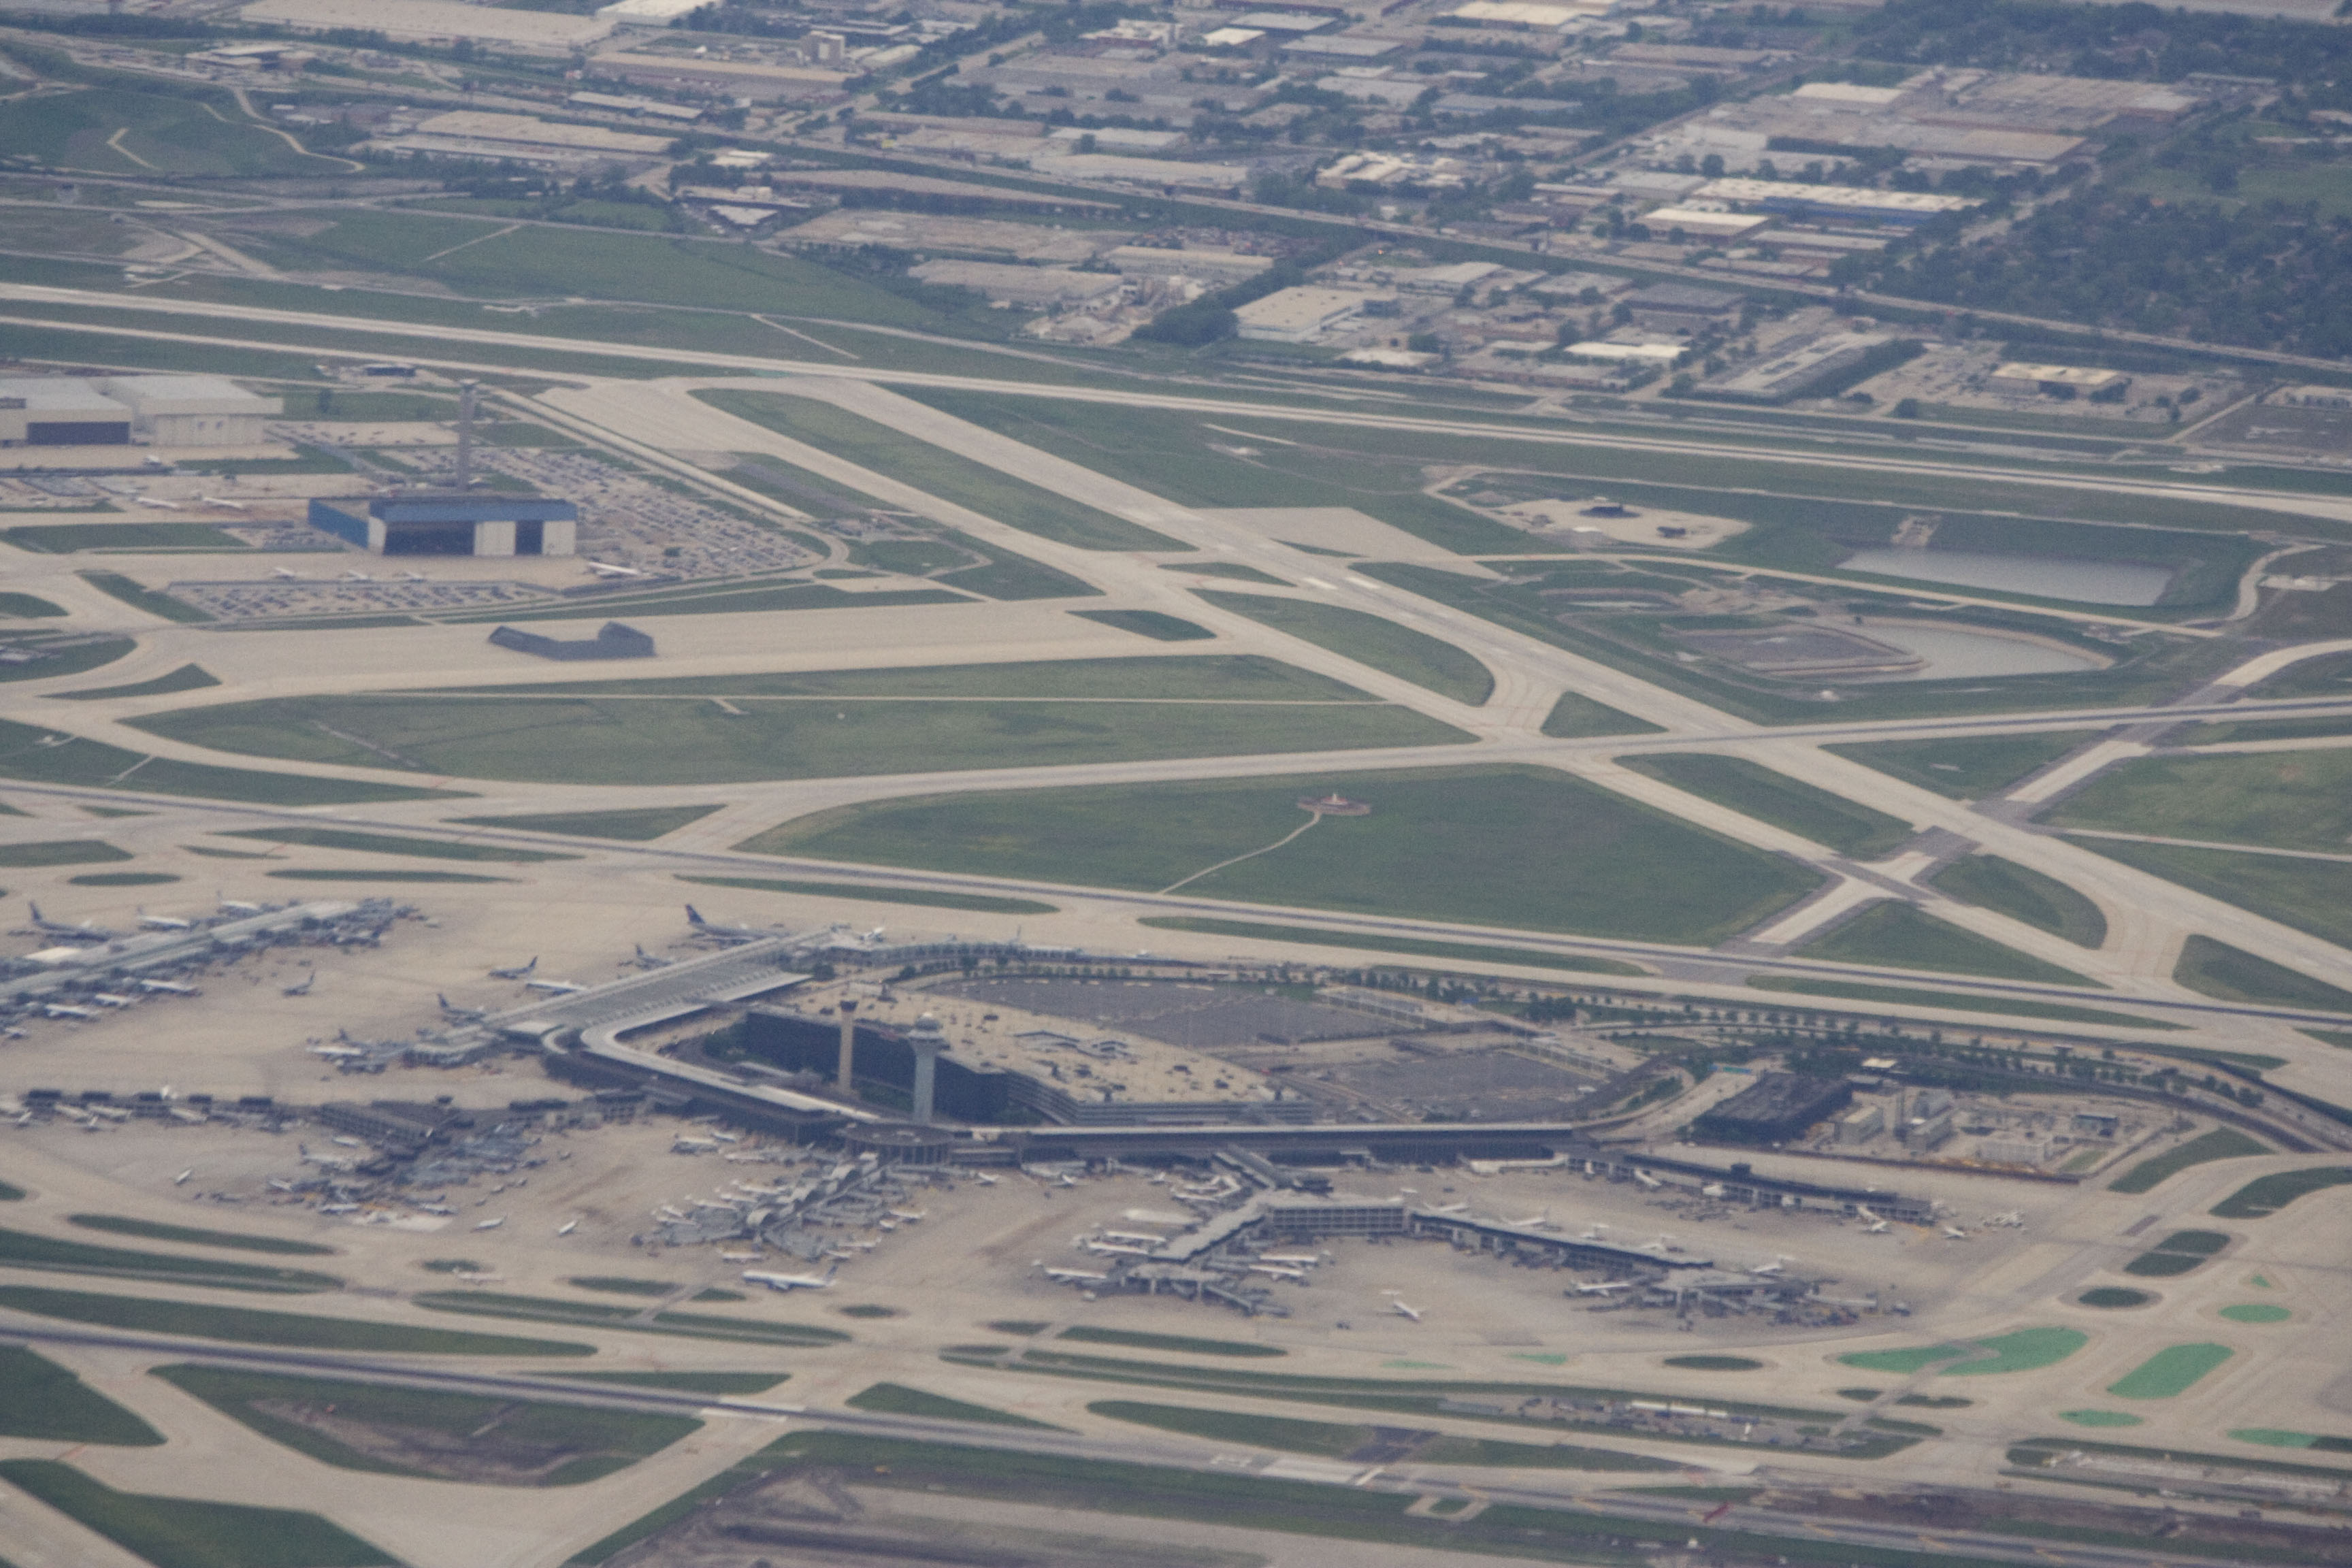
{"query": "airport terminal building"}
(452, 524)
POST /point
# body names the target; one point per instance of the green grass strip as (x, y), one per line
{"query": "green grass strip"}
(1178, 1342)
(585, 1314)
(22, 1249)
(2221, 1143)
(187, 677)
(352, 874)
(897, 1399)
(114, 584)
(2233, 974)
(2169, 1371)
(2265, 1195)
(247, 1325)
(1958, 1001)
(116, 1225)
(1465, 952)
(2023, 894)
(173, 1532)
(985, 903)
(41, 1399)
(1753, 790)
(60, 852)
(37, 755)
(1156, 625)
(397, 844)
(721, 1383)
(1368, 639)
(641, 824)
(1899, 935)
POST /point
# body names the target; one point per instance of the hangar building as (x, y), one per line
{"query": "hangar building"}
(452, 524)
(1777, 1106)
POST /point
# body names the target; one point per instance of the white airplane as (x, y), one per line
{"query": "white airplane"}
(108, 999)
(468, 1014)
(302, 987)
(567, 1227)
(336, 1053)
(1397, 1306)
(1113, 1249)
(1869, 1215)
(338, 1208)
(241, 907)
(415, 577)
(789, 1282)
(347, 1143)
(1648, 1180)
(716, 931)
(163, 922)
(220, 500)
(1534, 1221)
(85, 932)
(1955, 1233)
(357, 577)
(1875, 1227)
(491, 1224)
(1135, 1238)
(1449, 1208)
(983, 1178)
(1295, 1259)
(155, 500)
(1072, 1276)
(553, 987)
(518, 972)
(1067, 1181)
(181, 1179)
(1609, 1288)
(741, 1256)
(1765, 1271)
(916, 1216)
(59, 1010)
(283, 574)
(651, 960)
(169, 988)
(1277, 1271)
(606, 568)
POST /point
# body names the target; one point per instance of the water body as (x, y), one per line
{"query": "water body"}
(1955, 654)
(2044, 577)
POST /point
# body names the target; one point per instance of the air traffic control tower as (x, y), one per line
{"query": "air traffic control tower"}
(452, 524)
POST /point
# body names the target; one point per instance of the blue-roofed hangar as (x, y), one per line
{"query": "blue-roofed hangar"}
(452, 524)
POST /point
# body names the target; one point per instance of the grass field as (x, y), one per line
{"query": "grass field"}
(1715, 1362)
(70, 660)
(1015, 502)
(1504, 847)
(1753, 790)
(350, 874)
(640, 825)
(28, 606)
(898, 1399)
(1967, 769)
(1460, 952)
(2112, 1298)
(1177, 456)
(36, 755)
(174, 1533)
(1154, 623)
(1233, 570)
(397, 844)
(1326, 1439)
(606, 740)
(1368, 639)
(2169, 1371)
(2233, 974)
(1898, 935)
(882, 893)
(2026, 1350)
(1958, 1001)
(65, 538)
(43, 1401)
(2265, 1195)
(2023, 894)
(1198, 678)
(1179, 1342)
(1574, 717)
(481, 1438)
(2221, 1143)
(2314, 896)
(2289, 800)
(2255, 1312)
(109, 131)
(139, 596)
(60, 852)
(116, 1225)
(246, 1325)
(187, 677)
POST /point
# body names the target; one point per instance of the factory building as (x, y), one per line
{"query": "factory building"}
(1776, 1107)
(452, 524)
(117, 411)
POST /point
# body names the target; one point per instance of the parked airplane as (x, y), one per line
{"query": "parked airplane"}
(1449, 1208)
(651, 960)
(220, 500)
(1955, 1233)
(1072, 1276)
(302, 987)
(280, 572)
(491, 1224)
(163, 922)
(84, 931)
(1607, 1288)
(59, 1010)
(791, 1281)
(241, 907)
(169, 988)
(108, 999)
(1134, 1237)
(181, 1179)
(567, 1227)
(1276, 1271)
(1396, 1305)
(983, 1178)
(468, 1014)
(553, 987)
(605, 569)
(715, 932)
(518, 972)
(1648, 1180)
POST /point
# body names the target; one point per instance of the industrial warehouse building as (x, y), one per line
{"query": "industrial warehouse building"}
(117, 411)
(453, 524)
(1776, 1107)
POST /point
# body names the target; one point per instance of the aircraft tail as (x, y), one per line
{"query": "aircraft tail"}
(693, 916)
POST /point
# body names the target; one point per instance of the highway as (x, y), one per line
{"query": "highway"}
(1568, 1492)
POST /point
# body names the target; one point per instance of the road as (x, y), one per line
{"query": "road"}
(1568, 1493)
